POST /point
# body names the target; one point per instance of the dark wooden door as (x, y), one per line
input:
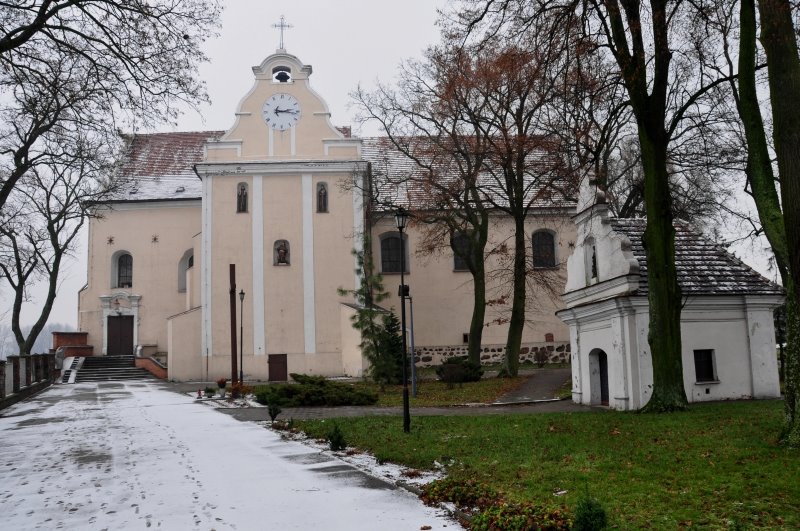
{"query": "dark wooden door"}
(120, 335)
(603, 359)
(277, 368)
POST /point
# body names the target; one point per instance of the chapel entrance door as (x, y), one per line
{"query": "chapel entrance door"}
(277, 368)
(603, 362)
(120, 335)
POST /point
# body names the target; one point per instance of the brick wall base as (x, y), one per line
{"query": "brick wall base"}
(556, 352)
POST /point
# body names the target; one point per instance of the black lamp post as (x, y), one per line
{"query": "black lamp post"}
(241, 338)
(401, 220)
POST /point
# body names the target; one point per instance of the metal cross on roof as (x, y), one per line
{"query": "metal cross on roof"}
(282, 26)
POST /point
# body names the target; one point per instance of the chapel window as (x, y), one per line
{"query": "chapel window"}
(124, 271)
(461, 251)
(322, 197)
(241, 197)
(704, 366)
(390, 252)
(544, 249)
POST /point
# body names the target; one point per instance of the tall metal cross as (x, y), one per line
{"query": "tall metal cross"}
(282, 26)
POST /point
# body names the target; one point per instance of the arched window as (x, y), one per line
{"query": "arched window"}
(390, 252)
(544, 249)
(322, 197)
(186, 262)
(461, 251)
(124, 271)
(281, 253)
(241, 197)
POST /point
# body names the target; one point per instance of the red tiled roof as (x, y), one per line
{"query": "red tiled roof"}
(165, 154)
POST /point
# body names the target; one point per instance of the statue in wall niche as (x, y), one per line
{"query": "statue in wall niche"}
(283, 254)
(241, 198)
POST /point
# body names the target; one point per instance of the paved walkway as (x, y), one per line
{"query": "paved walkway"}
(125, 455)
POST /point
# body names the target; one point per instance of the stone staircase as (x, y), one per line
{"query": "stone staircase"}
(107, 368)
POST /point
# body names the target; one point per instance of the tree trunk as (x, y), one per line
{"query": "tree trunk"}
(477, 267)
(664, 295)
(517, 322)
(791, 404)
(478, 313)
(778, 38)
(759, 165)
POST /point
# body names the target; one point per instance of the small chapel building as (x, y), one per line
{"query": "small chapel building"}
(727, 330)
(280, 197)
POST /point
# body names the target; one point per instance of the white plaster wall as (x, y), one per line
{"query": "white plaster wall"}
(742, 340)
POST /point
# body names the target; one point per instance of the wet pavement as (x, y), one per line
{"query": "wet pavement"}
(123, 455)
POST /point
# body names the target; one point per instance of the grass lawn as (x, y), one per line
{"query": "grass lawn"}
(716, 466)
(431, 393)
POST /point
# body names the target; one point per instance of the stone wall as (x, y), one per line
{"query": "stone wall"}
(555, 352)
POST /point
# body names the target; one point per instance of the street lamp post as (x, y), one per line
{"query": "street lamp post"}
(401, 220)
(241, 338)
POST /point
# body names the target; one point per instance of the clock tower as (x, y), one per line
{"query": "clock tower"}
(278, 203)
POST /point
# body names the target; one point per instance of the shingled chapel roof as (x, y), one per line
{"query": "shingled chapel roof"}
(703, 267)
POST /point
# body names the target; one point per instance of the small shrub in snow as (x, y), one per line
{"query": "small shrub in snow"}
(336, 439)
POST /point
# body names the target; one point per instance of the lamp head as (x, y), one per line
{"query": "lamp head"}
(401, 218)
(241, 296)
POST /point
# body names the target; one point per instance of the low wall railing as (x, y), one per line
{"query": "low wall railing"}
(22, 376)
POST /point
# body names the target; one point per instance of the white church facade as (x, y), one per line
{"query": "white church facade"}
(278, 196)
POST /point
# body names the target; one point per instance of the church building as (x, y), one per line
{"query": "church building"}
(275, 205)
(727, 331)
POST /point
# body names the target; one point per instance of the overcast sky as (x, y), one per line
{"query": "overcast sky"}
(347, 42)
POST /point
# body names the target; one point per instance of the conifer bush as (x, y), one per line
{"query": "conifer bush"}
(336, 439)
(589, 515)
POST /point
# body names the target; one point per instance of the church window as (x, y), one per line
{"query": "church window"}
(124, 271)
(241, 197)
(281, 253)
(390, 252)
(544, 249)
(322, 197)
(281, 74)
(186, 262)
(704, 366)
(461, 250)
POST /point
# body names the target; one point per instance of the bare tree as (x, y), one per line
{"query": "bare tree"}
(41, 221)
(475, 122)
(672, 77)
(134, 60)
(432, 119)
(72, 74)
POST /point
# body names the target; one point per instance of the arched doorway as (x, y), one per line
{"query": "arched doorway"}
(598, 377)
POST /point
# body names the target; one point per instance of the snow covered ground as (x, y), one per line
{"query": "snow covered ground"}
(133, 455)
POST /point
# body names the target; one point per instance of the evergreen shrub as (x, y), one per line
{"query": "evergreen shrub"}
(459, 369)
(314, 391)
(589, 515)
(336, 439)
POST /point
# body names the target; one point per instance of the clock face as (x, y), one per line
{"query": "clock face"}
(281, 111)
